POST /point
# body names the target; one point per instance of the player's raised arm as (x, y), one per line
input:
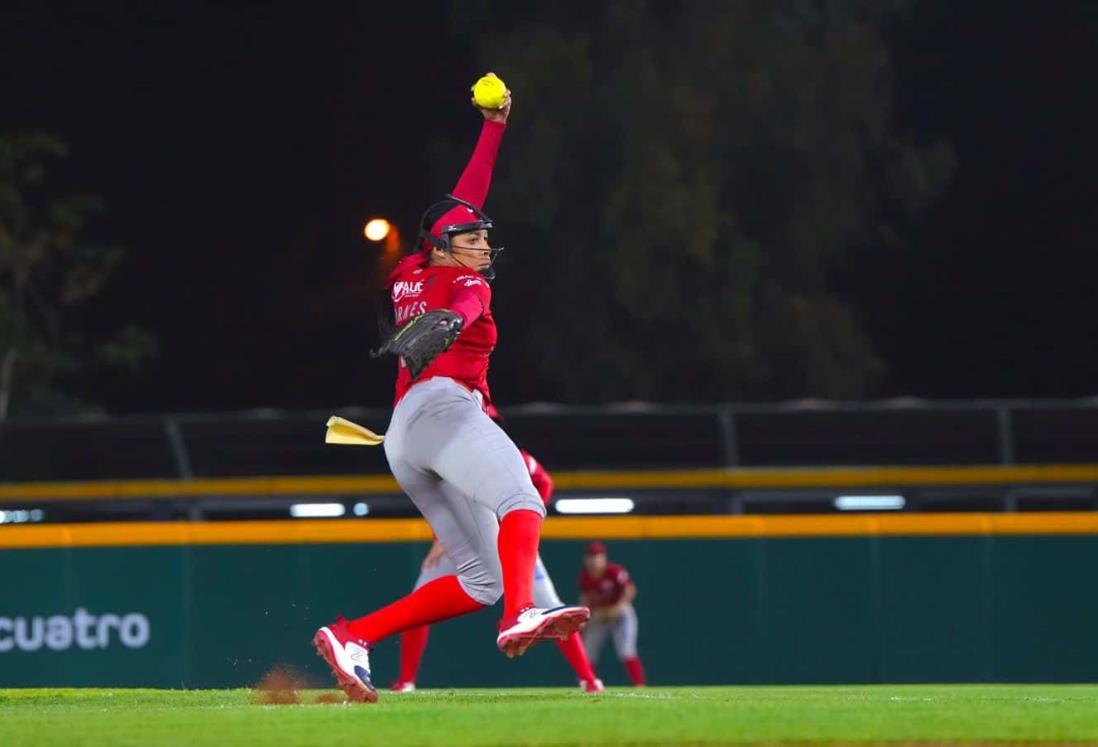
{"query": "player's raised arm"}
(477, 177)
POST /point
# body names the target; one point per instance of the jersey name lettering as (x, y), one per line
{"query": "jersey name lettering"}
(408, 310)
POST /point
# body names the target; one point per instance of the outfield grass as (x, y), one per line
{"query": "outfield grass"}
(681, 715)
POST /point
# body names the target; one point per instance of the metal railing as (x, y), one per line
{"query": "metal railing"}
(628, 436)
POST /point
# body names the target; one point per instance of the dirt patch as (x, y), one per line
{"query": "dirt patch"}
(285, 686)
(279, 686)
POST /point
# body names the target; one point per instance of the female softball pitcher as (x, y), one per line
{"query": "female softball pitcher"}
(459, 468)
(413, 641)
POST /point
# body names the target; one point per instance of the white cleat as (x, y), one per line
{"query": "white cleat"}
(403, 687)
(533, 624)
(349, 659)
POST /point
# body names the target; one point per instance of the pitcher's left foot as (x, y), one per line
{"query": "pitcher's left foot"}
(349, 659)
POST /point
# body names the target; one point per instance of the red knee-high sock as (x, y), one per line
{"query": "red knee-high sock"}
(439, 600)
(576, 653)
(519, 533)
(636, 671)
(412, 643)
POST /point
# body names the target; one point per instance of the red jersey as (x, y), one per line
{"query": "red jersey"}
(416, 287)
(421, 289)
(608, 589)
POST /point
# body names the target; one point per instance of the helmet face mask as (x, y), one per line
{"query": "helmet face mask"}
(436, 211)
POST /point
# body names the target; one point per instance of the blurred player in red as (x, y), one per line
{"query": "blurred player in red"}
(461, 470)
(438, 564)
(608, 590)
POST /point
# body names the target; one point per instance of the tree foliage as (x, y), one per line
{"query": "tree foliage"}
(685, 177)
(48, 274)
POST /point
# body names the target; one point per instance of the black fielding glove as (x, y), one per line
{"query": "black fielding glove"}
(421, 339)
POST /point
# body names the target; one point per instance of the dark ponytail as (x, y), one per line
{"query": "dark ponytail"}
(383, 310)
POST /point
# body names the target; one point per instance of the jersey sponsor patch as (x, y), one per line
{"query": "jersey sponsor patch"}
(406, 289)
(437, 287)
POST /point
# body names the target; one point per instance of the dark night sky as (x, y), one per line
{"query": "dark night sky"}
(240, 146)
(997, 296)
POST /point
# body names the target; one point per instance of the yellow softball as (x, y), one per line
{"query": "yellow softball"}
(489, 92)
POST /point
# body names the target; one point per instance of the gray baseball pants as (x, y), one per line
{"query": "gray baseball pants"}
(463, 473)
(623, 630)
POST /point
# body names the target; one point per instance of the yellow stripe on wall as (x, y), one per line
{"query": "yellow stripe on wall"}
(236, 486)
(144, 534)
(838, 477)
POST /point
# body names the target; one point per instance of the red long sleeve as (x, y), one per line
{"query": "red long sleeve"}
(477, 177)
(467, 302)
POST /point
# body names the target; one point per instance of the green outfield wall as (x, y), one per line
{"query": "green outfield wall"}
(825, 607)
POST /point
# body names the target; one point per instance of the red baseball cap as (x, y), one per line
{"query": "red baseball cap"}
(595, 548)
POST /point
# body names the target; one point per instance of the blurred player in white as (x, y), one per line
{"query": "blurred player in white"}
(437, 564)
(608, 590)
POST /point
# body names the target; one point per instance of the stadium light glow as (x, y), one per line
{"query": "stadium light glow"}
(317, 510)
(377, 229)
(594, 505)
(869, 502)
